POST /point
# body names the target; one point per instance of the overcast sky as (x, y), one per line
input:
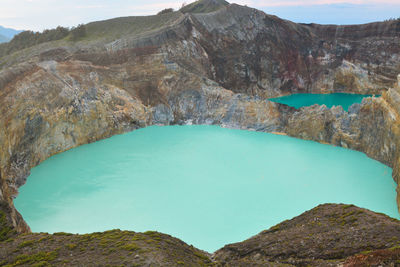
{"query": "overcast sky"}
(42, 14)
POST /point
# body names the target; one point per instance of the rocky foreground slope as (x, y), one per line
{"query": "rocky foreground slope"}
(325, 236)
(328, 235)
(203, 68)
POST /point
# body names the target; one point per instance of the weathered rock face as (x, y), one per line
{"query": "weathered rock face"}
(209, 68)
(357, 129)
(263, 55)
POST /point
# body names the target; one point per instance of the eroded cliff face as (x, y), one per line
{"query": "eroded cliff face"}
(372, 127)
(214, 68)
(263, 55)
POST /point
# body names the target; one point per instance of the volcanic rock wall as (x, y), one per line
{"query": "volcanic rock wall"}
(215, 68)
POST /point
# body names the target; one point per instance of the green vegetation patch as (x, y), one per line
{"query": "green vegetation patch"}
(201, 256)
(154, 235)
(38, 259)
(165, 11)
(347, 206)
(71, 246)
(5, 229)
(130, 247)
(62, 234)
(29, 38)
(26, 243)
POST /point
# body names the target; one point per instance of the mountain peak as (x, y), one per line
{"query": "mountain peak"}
(204, 6)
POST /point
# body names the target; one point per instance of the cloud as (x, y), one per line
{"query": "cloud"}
(89, 6)
(8, 16)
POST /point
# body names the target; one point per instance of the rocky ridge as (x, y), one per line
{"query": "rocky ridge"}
(323, 236)
(204, 68)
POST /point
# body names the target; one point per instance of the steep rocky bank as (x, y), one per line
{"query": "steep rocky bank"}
(371, 127)
(204, 68)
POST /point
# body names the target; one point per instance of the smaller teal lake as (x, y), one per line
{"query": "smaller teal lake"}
(330, 100)
(206, 185)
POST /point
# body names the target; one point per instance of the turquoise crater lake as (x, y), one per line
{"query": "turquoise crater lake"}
(206, 185)
(330, 100)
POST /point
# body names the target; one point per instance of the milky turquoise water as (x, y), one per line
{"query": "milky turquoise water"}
(206, 185)
(330, 100)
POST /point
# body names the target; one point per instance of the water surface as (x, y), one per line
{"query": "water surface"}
(206, 185)
(330, 100)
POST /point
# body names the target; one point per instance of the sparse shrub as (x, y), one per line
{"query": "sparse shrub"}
(5, 230)
(41, 258)
(130, 247)
(26, 243)
(71, 246)
(62, 234)
(27, 39)
(165, 11)
(78, 32)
